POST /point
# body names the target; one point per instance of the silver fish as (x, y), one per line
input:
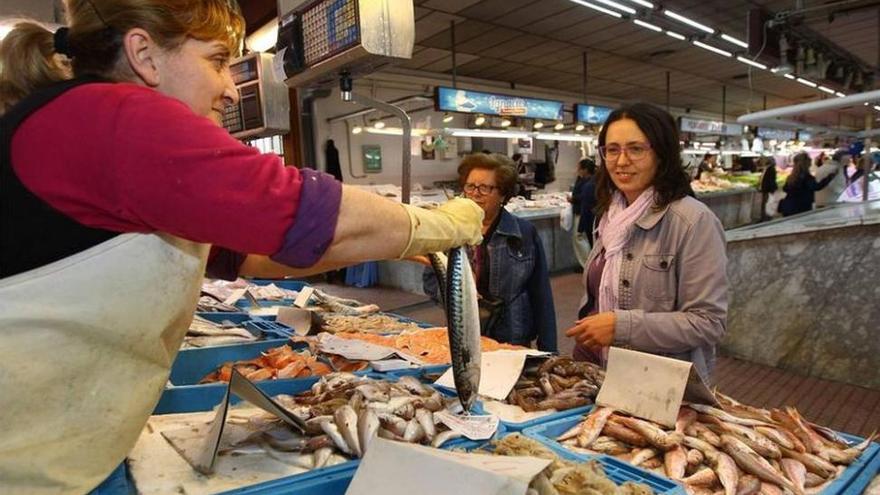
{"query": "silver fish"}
(332, 431)
(426, 421)
(463, 322)
(368, 427)
(443, 437)
(321, 456)
(346, 420)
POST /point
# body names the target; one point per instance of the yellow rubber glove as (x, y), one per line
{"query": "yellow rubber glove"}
(457, 222)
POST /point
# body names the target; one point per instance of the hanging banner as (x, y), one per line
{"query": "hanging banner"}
(466, 101)
(688, 124)
(591, 114)
(777, 134)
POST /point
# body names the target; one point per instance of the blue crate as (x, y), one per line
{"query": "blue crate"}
(333, 480)
(259, 326)
(244, 303)
(860, 473)
(192, 365)
(615, 469)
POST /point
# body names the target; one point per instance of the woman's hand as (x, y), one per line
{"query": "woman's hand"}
(594, 331)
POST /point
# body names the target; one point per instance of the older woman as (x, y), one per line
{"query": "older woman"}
(656, 277)
(510, 267)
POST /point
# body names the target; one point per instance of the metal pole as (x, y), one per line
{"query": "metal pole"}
(668, 90)
(454, 67)
(867, 165)
(406, 124)
(765, 103)
(723, 103)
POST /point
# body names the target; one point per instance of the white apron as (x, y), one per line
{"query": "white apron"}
(86, 345)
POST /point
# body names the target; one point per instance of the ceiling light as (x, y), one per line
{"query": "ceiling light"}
(562, 137)
(505, 122)
(480, 120)
(447, 118)
(788, 76)
(675, 35)
(263, 38)
(643, 3)
(827, 90)
(713, 49)
(395, 131)
(838, 93)
(752, 63)
(379, 124)
(806, 83)
(538, 124)
(690, 22)
(600, 9)
(485, 133)
(612, 3)
(876, 108)
(648, 25)
(579, 127)
(357, 129)
(559, 126)
(774, 70)
(735, 41)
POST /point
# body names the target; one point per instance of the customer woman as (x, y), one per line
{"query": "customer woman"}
(510, 266)
(113, 186)
(656, 277)
(800, 187)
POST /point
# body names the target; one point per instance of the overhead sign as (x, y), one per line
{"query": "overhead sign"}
(699, 126)
(591, 114)
(777, 134)
(466, 101)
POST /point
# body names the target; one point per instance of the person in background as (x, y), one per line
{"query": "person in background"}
(708, 164)
(767, 185)
(656, 278)
(114, 185)
(510, 265)
(583, 200)
(800, 187)
(830, 167)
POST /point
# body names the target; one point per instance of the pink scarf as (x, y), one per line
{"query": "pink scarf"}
(615, 228)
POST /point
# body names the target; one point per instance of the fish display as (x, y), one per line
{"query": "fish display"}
(558, 383)
(463, 322)
(284, 362)
(736, 449)
(430, 345)
(205, 333)
(369, 323)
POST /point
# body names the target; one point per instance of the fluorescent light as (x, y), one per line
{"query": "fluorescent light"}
(788, 76)
(579, 127)
(263, 38)
(735, 41)
(643, 3)
(612, 3)
(752, 63)
(538, 125)
(713, 49)
(838, 93)
(600, 9)
(395, 131)
(480, 120)
(505, 122)
(357, 129)
(447, 118)
(806, 83)
(559, 126)
(774, 70)
(379, 124)
(648, 25)
(877, 108)
(690, 22)
(675, 35)
(827, 90)
(484, 133)
(562, 137)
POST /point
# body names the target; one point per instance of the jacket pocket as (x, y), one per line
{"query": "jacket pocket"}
(657, 280)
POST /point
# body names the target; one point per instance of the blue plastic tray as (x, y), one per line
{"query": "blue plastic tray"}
(260, 326)
(192, 365)
(615, 469)
(326, 481)
(284, 284)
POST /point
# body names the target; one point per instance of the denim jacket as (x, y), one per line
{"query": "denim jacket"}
(518, 275)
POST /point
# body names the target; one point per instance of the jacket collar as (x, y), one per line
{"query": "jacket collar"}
(651, 218)
(507, 225)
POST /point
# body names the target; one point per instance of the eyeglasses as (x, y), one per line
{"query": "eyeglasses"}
(634, 151)
(482, 188)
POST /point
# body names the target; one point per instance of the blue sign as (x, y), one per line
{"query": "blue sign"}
(465, 101)
(591, 114)
(777, 134)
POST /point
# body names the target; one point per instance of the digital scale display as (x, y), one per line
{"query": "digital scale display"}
(329, 27)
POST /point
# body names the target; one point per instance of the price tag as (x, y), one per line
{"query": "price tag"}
(302, 299)
(472, 426)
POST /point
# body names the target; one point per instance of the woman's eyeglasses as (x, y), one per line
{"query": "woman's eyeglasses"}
(634, 151)
(482, 188)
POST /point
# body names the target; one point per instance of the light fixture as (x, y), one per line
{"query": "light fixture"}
(379, 124)
(735, 41)
(648, 25)
(559, 126)
(395, 131)
(538, 124)
(827, 90)
(561, 137)
(877, 108)
(689, 22)
(488, 133)
(598, 8)
(643, 3)
(480, 120)
(357, 129)
(447, 118)
(788, 76)
(579, 127)
(675, 35)
(838, 93)
(612, 3)
(505, 122)
(806, 82)
(263, 38)
(751, 62)
(713, 49)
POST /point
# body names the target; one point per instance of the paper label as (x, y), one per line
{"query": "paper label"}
(300, 320)
(499, 371)
(359, 350)
(302, 299)
(473, 426)
(235, 296)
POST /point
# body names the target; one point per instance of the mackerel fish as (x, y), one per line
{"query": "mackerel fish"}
(463, 323)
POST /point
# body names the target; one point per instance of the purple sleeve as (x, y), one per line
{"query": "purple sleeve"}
(315, 223)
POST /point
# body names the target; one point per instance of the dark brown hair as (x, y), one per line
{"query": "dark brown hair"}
(504, 168)
(800, 170)
(670, 182)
